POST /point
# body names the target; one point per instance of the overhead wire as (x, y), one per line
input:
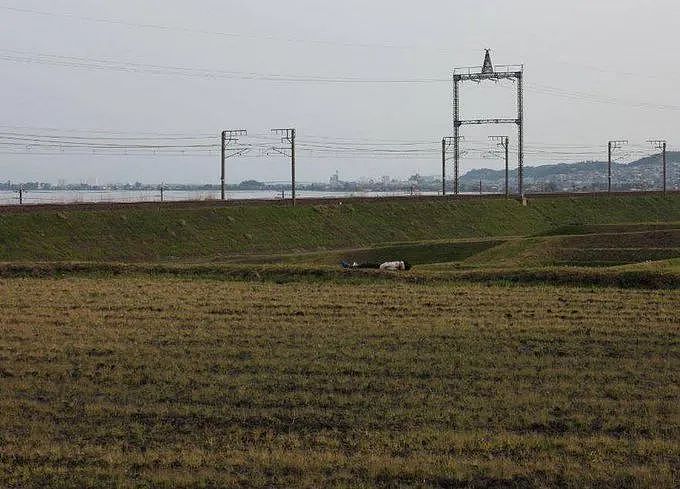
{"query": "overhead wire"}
(83, 142)
(322, 42)
(94, 64)
(208, 32)
(125, 66)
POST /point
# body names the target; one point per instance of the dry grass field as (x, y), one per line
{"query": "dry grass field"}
(142, 381)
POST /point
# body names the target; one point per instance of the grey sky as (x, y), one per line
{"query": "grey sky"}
(620, 53)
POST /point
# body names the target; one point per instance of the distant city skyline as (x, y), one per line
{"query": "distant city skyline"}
(644, 174)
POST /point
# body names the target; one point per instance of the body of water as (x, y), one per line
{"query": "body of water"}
(94, 196)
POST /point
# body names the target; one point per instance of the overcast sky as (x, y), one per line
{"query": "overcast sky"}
(595, 70)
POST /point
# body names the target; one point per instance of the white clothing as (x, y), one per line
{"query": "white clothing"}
(393, 266)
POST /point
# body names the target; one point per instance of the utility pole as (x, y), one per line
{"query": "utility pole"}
(228, 136)
(613, 145)
(661, 144)
(504, 142)
(446, 144)
(288, 137)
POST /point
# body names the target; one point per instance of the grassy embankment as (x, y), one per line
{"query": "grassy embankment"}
(167, 382)
(423, 231)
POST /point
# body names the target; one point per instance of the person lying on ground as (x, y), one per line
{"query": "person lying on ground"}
(391, 266)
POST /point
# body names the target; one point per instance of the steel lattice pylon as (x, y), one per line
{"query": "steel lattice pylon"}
(479, 74)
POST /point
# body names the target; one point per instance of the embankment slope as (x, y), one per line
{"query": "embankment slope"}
(214, 234)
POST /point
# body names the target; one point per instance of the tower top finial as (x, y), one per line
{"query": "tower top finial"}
(487, 68)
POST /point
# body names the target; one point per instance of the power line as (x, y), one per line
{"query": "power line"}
(278, 39)
(93, 64)
(596, 98)
(69, 131)
(322, 42)
(105, 138)
(37, 143)
(76, 62)
(207, 32)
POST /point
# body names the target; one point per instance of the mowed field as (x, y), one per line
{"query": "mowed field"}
(148, 381)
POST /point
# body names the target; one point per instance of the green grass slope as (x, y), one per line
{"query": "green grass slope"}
(603, 249)
(416, 253)
(205, 234)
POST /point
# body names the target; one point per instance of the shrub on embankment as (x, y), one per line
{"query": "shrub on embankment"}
(204, 233)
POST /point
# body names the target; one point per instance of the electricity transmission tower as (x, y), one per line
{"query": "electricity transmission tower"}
(485, 73)
(288, 137)
(229, 136)
(504, 142)
(613, 145)
(661, 144)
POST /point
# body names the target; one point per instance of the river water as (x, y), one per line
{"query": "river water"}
(90, 196)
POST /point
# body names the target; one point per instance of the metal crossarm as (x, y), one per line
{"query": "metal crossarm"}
(488, 121)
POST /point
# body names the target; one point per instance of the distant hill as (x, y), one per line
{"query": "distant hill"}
(644, 173)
